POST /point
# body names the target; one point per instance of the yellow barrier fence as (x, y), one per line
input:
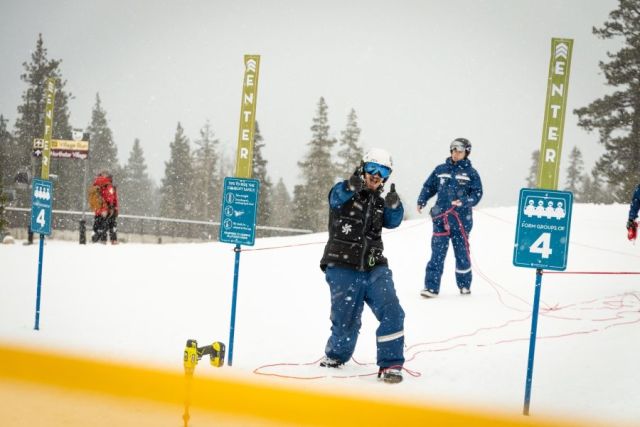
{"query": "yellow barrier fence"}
(93, 393)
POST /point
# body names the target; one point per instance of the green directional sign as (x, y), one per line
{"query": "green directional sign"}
(48, 126)
(244, 155)
(554, 113)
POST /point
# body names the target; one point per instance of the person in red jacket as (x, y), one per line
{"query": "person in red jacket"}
(106, 213)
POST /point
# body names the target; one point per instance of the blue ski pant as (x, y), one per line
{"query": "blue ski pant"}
(350, 290)
(445, 229)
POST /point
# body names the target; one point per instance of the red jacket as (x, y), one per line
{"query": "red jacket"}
(109, 195)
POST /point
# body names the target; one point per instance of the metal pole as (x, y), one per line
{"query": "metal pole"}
(236, 270)
(532, 340)
(83, 222)
(39, 286)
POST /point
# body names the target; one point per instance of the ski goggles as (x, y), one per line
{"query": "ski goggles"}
(377, 169)
(457, 146)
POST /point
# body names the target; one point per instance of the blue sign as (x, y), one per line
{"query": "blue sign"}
(239, 208)
(542, 230)
(41, 202)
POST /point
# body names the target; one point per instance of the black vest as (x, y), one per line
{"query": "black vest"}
(355, 233)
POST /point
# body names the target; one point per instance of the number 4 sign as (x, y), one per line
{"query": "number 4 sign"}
(41, 201)
(542, 230)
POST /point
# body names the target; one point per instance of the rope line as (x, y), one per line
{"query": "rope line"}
(624, 309)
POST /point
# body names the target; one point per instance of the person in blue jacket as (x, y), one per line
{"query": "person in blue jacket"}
(459, 188)
(357, 271)
(632, 225)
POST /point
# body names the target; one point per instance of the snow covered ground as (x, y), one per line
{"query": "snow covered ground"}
(140, 302)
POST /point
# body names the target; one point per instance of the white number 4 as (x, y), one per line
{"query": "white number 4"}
(542, 245)
(40, 219)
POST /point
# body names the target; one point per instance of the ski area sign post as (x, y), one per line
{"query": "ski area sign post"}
(240, 197)
(544, 215)
(554, 113)
(42, 197)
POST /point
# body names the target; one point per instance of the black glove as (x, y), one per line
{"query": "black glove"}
(632, 224)
(355, 183)
(392, 200)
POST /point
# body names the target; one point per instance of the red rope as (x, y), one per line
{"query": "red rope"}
(332, 372)
(549, 311)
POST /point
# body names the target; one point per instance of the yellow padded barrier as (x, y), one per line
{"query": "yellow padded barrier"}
(231, 399)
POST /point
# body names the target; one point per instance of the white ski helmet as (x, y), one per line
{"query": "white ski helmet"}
(377, 161)
(379, 156)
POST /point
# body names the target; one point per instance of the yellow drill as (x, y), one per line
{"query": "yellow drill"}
(193, 353)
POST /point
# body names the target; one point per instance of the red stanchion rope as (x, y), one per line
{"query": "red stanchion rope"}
(622, 312)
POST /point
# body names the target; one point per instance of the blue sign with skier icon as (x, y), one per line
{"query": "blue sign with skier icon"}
(239, 208)
(542, 230)
(41, 202)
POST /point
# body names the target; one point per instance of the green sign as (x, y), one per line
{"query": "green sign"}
(554, 113)
(48, 126)
(244, 155)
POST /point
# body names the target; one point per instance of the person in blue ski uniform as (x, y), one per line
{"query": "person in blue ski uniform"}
(356, 270)
(632, 225)
(459, 188)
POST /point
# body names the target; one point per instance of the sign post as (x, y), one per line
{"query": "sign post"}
(240, 197)
(554, 113)
(41, 202)
(42, 191)
(541, 244)
(238, 226)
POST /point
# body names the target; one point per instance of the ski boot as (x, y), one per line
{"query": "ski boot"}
(391, 375)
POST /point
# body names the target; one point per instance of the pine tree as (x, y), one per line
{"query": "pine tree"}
(311, 208)
(587, 195)
(617, 116)
(260, 173)
(532, 178)
(30, 125)
(7, 151)
(103, 151)
(177, 182)
(574, 171)
(301, 206)
(207, 179)
(593, 189)
(135, 192)
(3, 202)
(6, 146)
(282, 201)
(351, 152)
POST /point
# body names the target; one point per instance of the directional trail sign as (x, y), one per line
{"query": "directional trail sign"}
(542, 230)
(239, 208)
(41, 202)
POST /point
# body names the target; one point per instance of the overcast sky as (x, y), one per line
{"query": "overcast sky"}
(418, 73)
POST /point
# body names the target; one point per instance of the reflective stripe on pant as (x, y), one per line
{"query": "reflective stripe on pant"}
(439, 247)
(350, 290)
